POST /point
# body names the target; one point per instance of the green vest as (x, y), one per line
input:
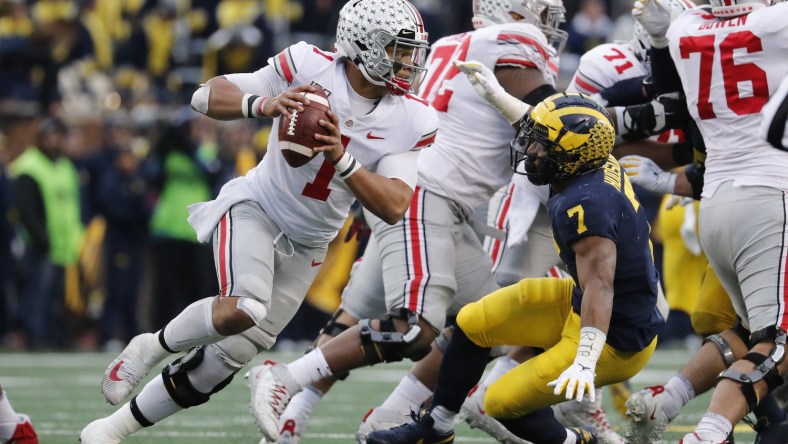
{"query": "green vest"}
(184, 185)
(58, 183)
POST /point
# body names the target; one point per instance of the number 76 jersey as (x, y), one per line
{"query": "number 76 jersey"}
(729, 68)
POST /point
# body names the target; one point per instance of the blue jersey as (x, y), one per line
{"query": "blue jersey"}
(602, 203)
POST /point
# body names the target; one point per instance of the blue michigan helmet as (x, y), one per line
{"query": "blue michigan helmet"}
(576, 133)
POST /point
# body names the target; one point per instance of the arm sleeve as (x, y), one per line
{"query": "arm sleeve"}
(30, 204)
(400, 166)
(663, 71)
(264, 82)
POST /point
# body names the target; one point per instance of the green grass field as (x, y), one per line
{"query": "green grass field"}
(61, 392)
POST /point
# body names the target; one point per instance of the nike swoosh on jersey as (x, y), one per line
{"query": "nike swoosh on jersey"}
(370, 136)
(315, 264)
(113, 375)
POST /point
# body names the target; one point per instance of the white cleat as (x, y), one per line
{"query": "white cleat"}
(270, 397)
(101, 431)
(379, 418)
(125, 373)
(252, 377)
(647, 420)
(577, 414)
(472, 412)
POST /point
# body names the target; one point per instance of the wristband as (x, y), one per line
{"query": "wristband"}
(252, 105)
(346, 165)
(620, 121)
(590, 346)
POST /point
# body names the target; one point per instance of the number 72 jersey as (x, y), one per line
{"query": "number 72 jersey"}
(729, 69)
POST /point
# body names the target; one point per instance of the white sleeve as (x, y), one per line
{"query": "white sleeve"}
(400, 166)
(775, 114)
(264, 82)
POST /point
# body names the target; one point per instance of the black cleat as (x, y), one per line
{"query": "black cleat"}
(419, 431)
(584, 434)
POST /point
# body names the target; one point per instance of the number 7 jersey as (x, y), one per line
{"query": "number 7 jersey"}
(729, 69)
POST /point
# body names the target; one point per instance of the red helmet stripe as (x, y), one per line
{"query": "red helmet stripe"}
(419, 21)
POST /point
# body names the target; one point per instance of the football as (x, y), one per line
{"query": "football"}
(297, 134)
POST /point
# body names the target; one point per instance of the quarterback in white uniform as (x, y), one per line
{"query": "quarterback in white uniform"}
(730, 61)
(271, 228)
(432, 262)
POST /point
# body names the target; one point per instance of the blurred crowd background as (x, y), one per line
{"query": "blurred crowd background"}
(100, 153)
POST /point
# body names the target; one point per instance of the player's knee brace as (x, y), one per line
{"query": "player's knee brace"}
(333, 329)
(389, 345)
(765, 366)
(179, 387)
(723, 347)
(442, 340)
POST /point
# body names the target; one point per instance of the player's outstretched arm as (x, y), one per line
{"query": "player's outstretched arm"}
(223, 100)
(596, 268)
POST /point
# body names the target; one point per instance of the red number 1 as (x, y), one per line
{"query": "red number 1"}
(318, 189)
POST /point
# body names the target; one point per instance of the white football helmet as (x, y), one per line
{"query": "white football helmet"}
(732, 8)
(545, 14)
(368, 30)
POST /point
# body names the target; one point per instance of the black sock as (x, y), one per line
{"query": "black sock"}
(539, 427)
(462, 366)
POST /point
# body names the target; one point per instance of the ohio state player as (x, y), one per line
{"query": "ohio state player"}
(730, 61)
(432, 261)
(271, 228)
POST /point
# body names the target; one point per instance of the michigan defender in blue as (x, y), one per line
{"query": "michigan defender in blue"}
(597, 328)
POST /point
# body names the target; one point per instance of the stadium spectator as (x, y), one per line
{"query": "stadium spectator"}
(46, 196)
(122, 198)
(182, 170)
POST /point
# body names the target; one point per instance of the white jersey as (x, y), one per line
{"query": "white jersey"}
(775, 115)
(470, 158)
(729, 69)
(310, 203)
(605, 65)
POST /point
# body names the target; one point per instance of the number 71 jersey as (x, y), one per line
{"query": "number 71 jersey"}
(729, 69)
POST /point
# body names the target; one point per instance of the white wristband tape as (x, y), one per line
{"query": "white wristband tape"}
(346, 165)
(512, 108)
(592, 342)
(252, 105)
(620, 124)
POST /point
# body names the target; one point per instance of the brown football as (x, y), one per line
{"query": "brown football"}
(297, 134)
